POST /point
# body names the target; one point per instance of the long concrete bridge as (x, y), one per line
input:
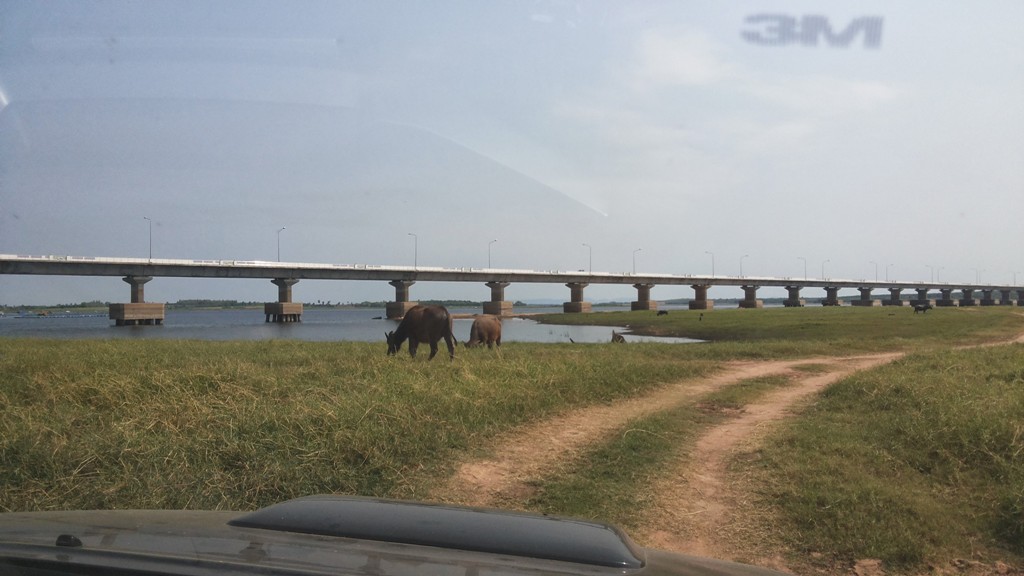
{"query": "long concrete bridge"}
(138, 271)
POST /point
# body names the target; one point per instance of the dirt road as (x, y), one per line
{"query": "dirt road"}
(695, 505)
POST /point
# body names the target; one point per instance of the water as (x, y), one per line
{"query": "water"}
(361, 325)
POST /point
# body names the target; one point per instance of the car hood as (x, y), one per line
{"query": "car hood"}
(336, 535)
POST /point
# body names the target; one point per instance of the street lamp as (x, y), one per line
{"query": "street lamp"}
(931, 270)
(590, 258)
(415, 250)
(977, 276)
(938, 273)
(279, 230)
(634, 259)
(150, 237)
(489, 252)
(741, 264)
(823, 268)
(805, 265)
(712, 261)
(887, 266)
(876, 269)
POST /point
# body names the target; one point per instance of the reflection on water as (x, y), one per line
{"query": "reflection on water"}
(362, 325)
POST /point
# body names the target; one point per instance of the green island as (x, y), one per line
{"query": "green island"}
(916, 462)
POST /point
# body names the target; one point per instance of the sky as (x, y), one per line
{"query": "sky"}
(846, 139)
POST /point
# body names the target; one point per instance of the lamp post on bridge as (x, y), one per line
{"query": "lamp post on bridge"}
(590, 258)
(938, 273)
(712, 261)
(805, 265)
(931, 276)
(148, 219)
(876, 269)
(415, 250)
(887, 266)
(741, 263)
(279, 230)
(823, 268)
(977, 276)
(489, 252)
(634, 259)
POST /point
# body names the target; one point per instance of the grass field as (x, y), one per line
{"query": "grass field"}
(919, 460)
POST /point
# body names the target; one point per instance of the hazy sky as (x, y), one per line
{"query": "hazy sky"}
(853, 136)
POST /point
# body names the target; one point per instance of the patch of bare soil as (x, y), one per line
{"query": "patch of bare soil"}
(527, 455)
(699, 510)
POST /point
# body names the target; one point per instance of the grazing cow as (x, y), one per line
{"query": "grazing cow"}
(423, 324)
(618, 338)
(486, 329)
(922, 308)
(662, 312)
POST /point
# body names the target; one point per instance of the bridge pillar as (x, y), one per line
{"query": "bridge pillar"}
(401, 305)
(576, 303)
(284, 310)
(794, 300)
(922, 298)
(1007, 299)
(498, 305)
(138, 311)
(643, 298)
(987, 299)
(894, 298)
(968, 297)
(700, 298)
(831, 297)
(947, 298)
(750, 298)
(865, 298)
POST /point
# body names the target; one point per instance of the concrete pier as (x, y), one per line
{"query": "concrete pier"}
(1008, 299)
(865, 298)
(401, 305)
(750, 298)
(922, 298)
(138, 311)
(576, 304)
(946, 300)
(700, 298)
(284, 310)
(643, 298)
(894, 298)
(794, 300)
(498, 306)
(831, 296)
(968, 297)
(987, 298)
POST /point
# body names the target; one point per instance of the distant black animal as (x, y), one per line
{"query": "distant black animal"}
(618, 338)
(662, 312)
(922, 308)
(423, 324)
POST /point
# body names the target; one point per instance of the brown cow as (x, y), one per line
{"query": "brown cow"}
(486, 329)
(423, 324)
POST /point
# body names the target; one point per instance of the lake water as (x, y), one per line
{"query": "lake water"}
(319, 325)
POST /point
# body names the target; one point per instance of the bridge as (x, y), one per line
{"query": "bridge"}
(138, 271)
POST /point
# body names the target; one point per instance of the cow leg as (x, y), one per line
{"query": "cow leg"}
(433, 349)
(451, 347)
(413, 345)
